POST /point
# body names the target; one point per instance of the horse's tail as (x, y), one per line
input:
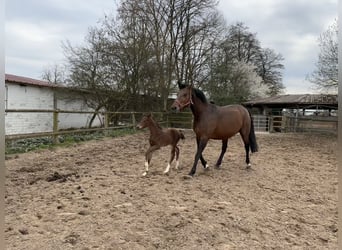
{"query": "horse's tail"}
(252, 139)
(181, 134)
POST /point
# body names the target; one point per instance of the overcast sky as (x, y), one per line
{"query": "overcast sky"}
(35, 30)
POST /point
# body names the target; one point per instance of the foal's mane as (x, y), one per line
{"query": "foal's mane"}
(153, 121)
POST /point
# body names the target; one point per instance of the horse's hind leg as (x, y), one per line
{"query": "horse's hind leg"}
(247, 147)
(247, 155)
(170, 161)
(223, 151)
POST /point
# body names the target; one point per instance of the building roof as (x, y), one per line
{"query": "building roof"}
(296, 101)
(28, 81)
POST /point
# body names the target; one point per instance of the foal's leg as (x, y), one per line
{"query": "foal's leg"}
(204, 162)
(148, 157)
(223, 151)
(177, 157)
(201, 146)
(170, 161)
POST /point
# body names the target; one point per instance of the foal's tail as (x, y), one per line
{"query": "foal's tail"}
(181, 134)
(252, 139)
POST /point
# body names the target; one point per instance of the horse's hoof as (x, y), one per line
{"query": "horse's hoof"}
(187, 177)
(166, 172)
(144, 174)
(249, 166)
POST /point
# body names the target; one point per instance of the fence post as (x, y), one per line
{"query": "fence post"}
(133, 120)
(106, 123)
(55, 127)
(270, 124)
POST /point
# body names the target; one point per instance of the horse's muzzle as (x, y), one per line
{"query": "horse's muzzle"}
(175, 109)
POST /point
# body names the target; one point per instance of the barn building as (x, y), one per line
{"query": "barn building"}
(296, 112)
(23, 93)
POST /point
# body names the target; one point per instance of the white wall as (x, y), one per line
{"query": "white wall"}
(34, 97)
(27, 97)
(70, 101)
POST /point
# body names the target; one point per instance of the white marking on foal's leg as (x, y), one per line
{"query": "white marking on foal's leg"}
(206, 166)
(146, 168)
(167, 168)
(249, 165)
(177, 164)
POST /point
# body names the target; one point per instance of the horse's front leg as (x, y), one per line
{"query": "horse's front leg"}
(223, 151)
(204, 162)
(200, 147)
(148, 157)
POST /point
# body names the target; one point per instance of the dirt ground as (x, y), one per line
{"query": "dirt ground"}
(93, 196)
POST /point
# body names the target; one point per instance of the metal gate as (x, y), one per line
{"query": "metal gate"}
(261, 123)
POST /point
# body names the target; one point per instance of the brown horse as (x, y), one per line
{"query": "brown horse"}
(215, 122)
(160, 138)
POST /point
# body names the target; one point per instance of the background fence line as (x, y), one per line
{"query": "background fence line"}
(121, 120)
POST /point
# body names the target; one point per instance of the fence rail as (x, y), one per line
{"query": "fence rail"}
(120, 120)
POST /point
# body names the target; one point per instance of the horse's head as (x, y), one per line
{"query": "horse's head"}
(145, 121)
(184, 97)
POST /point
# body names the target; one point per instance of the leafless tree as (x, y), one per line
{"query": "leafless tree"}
(325, 76)
(54, 74)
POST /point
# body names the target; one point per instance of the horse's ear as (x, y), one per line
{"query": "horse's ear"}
(181, 85)
(149, 114)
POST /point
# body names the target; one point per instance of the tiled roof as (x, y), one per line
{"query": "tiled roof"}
(313, 99)
(28, 81)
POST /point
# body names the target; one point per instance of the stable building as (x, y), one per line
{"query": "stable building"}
(292, 113)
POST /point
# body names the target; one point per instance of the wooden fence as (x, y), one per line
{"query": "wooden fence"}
(111, 121)
(119, 120)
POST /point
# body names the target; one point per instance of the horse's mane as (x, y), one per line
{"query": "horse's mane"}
(197, 92)
(200, 95)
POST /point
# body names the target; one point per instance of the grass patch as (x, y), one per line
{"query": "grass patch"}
(31, 144)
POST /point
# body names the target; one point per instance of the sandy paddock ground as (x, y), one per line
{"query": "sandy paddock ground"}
(93, 196)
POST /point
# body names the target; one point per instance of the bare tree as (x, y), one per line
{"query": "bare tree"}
(269, 68)
(325, 76)
(54, 74)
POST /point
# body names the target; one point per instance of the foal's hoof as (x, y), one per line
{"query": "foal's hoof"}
(144, 174)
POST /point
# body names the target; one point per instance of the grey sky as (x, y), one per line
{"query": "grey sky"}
(36, 28)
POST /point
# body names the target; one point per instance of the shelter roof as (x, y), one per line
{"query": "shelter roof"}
(320, 101)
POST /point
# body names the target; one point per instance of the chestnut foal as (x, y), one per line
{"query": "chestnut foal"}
(160, 138)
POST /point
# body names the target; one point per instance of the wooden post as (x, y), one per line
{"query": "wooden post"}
(133, 121)
(106, 123)
(55, 127)
(270, 124)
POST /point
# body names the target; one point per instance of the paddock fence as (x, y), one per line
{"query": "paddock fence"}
(121, 120)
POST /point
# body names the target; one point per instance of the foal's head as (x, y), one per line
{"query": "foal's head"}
(146, 121)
